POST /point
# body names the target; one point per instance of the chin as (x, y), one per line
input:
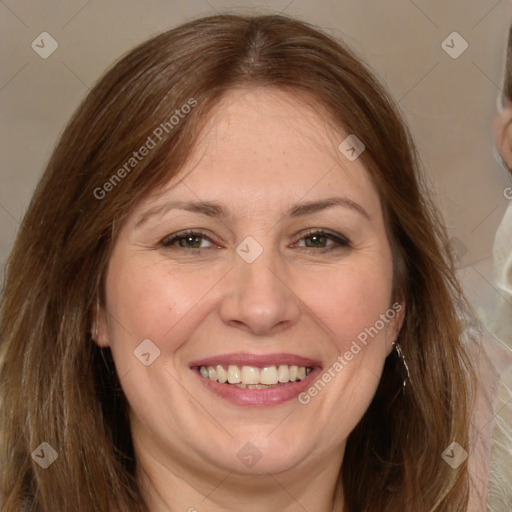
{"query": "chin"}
(264, 453)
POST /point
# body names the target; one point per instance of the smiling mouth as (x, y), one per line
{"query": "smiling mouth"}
(253, 377)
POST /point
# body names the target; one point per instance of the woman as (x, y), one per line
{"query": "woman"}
(502, 250)
(500, 471)
(231, 291)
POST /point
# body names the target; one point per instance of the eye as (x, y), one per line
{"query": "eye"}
(319, 240)
(187, 240)
(323, 240)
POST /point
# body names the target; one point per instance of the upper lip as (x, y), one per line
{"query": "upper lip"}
(257, 360)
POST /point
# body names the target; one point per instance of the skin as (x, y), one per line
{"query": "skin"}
(262, 151)
(502, 127)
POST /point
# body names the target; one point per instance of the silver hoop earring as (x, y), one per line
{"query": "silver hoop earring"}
(401, 356)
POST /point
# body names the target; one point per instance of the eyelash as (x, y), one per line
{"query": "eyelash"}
(340, 241)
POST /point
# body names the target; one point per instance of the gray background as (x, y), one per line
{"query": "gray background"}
(449, 103)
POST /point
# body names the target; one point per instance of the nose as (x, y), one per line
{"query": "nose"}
(258, 299)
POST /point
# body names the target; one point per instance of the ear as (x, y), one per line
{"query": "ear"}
(99, 326)
(502, 128)
(396, 315)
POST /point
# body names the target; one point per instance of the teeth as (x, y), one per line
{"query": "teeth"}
(234, 375)
(222, 375)
(283, 374)
(251, 377)
(212, 373)
(268, 375)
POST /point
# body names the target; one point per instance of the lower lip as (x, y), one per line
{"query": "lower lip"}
(260, 397)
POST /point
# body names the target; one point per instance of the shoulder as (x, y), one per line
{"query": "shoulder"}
(502, 252)
(500, 471)
(488, 451)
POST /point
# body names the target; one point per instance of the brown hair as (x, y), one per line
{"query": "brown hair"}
(58, 386)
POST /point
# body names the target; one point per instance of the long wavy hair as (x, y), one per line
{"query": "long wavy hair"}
(59, 387)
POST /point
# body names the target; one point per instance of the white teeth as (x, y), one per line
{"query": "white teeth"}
(222, 375)
(234, 376)
(283, 374)
(212, 373)
(268, 375)
(252, 377)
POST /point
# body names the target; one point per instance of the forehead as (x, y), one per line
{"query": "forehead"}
(264, 144)
(265, 125)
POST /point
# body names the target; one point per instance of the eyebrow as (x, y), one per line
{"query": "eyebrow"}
(215, 209)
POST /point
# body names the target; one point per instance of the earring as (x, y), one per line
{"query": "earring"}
(401, 356)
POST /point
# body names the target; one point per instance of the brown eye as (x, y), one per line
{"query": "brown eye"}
(324, 241)
(186, 240)
(316, 241)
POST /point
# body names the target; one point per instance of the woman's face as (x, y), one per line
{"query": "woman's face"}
(502, 126)
(224, 271)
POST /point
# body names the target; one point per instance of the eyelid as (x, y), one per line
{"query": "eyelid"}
(322, 231)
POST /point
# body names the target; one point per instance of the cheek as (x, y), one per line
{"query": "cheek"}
(350, 306)
(152, 301)
(351, 299)
(506, 146)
